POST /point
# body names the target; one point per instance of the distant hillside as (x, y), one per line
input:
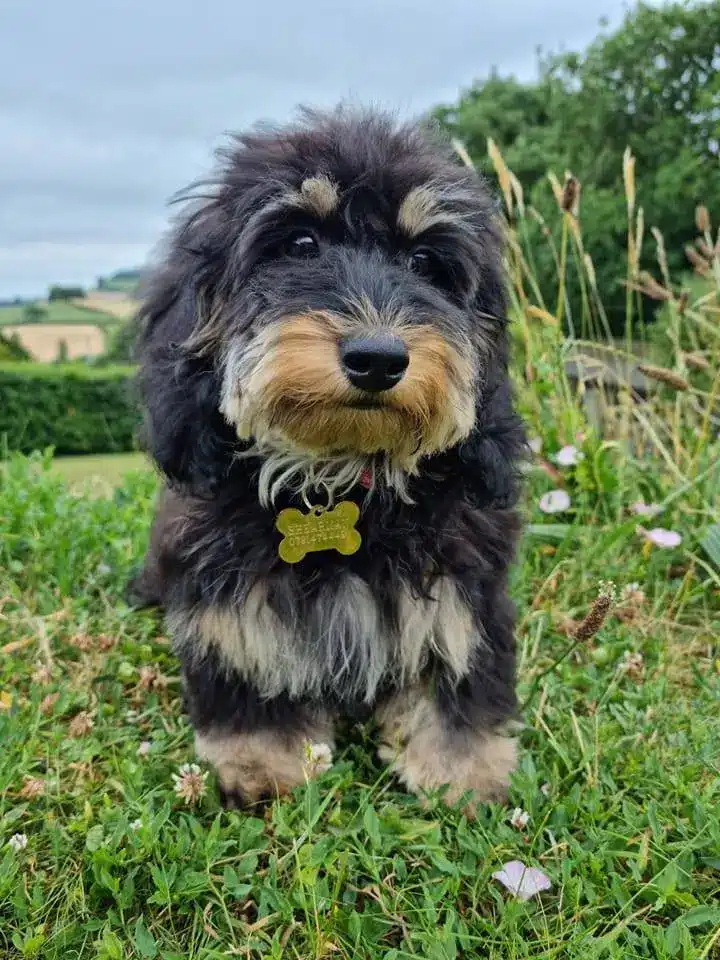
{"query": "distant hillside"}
(112, 300)
(122, 281)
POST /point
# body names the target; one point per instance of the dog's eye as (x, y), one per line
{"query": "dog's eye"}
(302, 245)
(423, 262)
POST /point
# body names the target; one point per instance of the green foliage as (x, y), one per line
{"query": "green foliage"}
(71, 408)
(652, 85)
(121, 343)
(34, 313)
(11, 349)
(58, 292)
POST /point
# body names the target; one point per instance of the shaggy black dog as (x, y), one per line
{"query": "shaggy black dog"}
(324, 367)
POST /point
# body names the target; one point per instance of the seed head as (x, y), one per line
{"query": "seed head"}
(702, 219)
(598, 612)
(697, 361)
(700, 263)
(663, 375)
(32, 788)
(81, 724)
(653, 289)
(570, 199)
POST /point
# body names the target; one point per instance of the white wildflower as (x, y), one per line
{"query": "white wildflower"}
(519, 818)
(524, 882)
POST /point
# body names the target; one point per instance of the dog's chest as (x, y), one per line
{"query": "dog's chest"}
(339, 641)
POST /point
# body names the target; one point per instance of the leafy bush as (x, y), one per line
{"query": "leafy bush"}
(11, 349)
(72, 408)
(121, 343)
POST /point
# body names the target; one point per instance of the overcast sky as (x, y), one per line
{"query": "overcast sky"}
(109, 106)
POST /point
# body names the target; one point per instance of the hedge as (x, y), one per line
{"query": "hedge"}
(71, 408)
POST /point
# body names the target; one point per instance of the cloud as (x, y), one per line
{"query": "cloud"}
(107, 109)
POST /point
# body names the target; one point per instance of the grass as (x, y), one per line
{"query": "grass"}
(59, 311)
(620, 769)
(102, 473)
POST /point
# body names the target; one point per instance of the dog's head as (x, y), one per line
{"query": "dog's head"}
(335, 293)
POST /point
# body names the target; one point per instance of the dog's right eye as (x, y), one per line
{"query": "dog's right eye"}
(302, 246)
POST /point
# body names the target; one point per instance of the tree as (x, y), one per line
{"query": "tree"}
(57, 292)
(34, 313)
(653, 85)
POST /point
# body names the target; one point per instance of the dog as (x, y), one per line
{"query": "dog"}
(323, 355)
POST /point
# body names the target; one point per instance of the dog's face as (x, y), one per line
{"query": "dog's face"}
(346, 291)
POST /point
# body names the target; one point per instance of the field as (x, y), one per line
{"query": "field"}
(59, 311)
(107, 303)
(106, 854)
(43, 340)
(98, 474)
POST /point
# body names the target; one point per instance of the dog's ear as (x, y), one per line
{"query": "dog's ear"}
(184, 431)
(490, 457)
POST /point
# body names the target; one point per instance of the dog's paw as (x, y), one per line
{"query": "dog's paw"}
(483, 772)
(237, 800)
(426, 755)
(255, 768)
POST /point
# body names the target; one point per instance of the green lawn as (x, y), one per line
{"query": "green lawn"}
(102, 473)
(619, 775)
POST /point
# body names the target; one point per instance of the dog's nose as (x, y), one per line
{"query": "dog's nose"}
(376, 362)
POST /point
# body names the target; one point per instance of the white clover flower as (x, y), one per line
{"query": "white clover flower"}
(519, 818)
(189, 782)
(318, 759)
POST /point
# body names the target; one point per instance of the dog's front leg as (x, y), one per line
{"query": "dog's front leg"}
(427, 748)
(450, 728)
(259, 748)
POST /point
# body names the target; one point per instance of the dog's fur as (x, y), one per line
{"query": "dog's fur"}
(248, 412)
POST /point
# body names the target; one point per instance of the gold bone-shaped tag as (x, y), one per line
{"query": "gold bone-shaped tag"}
(321, 529)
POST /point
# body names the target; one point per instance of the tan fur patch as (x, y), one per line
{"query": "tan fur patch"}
(256, 643)
(426, 755)
(265, 763)
(442, 625)
(319, 195)
(253, 641)
(422, 209)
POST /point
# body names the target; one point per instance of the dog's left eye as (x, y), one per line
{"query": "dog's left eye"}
(302, 245)
(423, 262)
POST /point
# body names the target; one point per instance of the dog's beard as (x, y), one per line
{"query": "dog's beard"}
(286, 393)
